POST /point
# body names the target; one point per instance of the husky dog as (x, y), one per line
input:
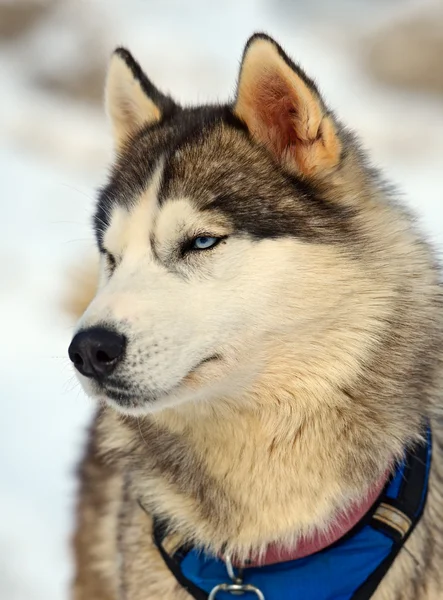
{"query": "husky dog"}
(265, 342)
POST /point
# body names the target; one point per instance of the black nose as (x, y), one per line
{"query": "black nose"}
(95, 352)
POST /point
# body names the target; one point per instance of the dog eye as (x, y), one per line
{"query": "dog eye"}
(204, 242)
(200, 243)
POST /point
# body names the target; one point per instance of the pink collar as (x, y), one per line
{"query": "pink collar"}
(343, 523)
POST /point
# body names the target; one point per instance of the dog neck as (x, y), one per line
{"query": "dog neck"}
(341, 525)
(261, 484)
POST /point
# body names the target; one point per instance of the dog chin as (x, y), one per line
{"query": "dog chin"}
(138, 407)
(127, 404)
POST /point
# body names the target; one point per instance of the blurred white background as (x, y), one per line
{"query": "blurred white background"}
(379, 63)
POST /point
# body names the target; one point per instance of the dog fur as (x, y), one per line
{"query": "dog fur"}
(270, 381)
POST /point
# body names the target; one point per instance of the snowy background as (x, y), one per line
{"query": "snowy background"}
(380, 66)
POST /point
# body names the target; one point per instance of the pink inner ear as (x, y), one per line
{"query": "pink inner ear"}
(276, 111)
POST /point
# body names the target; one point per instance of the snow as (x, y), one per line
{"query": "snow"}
(53, 155)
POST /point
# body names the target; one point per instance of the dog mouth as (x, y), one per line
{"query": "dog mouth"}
(212, 358)
(127, 394)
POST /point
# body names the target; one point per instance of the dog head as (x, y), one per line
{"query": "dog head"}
(229, 237)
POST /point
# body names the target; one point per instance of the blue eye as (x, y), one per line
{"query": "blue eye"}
(204, 242)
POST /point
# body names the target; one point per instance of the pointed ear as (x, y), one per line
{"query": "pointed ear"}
(132, 101)
(283, 110)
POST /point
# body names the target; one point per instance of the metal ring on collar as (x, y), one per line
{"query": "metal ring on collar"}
(236, 589)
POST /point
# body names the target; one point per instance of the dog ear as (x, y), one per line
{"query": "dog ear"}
(283, 110)
(132, 101)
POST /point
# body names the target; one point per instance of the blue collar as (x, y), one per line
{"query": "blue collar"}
(351, 568)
